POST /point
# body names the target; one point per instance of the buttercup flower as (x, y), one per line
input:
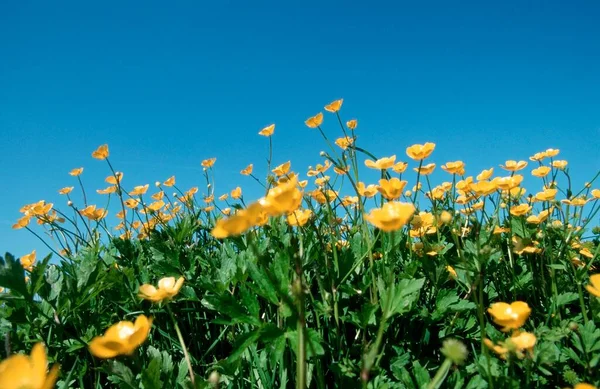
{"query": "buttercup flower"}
(483, 188)
(267, 131)
(546, 195)
(282, 169)
(457, 167)
(28, 372)
(334, 106)
(541, 171)
(115, 179)
(425, 170)
(170, 181)
(28, 260)
(76, 172)
(367, 191)
(520, 209)
(562, 164)
(101, 152)
(65, 190)
(107, 190)
(247, 170)
(314, 121)
(594, 287)
(299, 217)
(391, 189)
(381, 163)
(167, 289)
(352, 124)
(510, 316)
(513, 166)
(139, 190)
(399, 167)
(208, 162)
(344, 142)
(485, 174)
(121, 338)
(392, 216)
(236, 193)
(420, 152)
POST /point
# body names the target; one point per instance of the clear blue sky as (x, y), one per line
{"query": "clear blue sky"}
(167, 84)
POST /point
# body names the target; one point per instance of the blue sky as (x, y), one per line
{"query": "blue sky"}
(167, 85)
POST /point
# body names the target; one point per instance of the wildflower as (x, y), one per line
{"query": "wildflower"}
(22, 222)
(381, 163)
(236, 193)
(520, 209)
(391, 189)
(583, 385)
(247, 170)
(65, 190)
(352, 124)
(208, 163)
(334, 106)
(282, 169)
(541, 171)
(155, 206)
(422, 224)
(392, 216)
(139, 190)
(21, 371)
(575, 202)
(540, 218)
(560, 164)
(349, 200)
(115, 179)
(551, 152)
(420, 152)
(28, 260)
(158, 195)
(484, 188)
(538, 157)
(508, 183)
(513, 166)
(76, 172)
(399, 167)
(445, 217)
(586, 253)
(340, 171)
(267, 131)
(315, 121)
(93, 213)
(101, 152)
(107, 190)
(131, 203)
(425, 170)
(344, 142)
(226, 211)
(546, 195)
(485, 174)
(167, 289)
(510, 316)
(170, 181)
(451, 272)
(121, 338)
(367, 191)
(299, 217)
(457, 167)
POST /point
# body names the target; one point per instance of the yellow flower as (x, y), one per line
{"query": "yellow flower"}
(425, 170)
(367, 191)
(334, 106)
(121, 338)
(586, 253)
(381, 163)
(315, 121)
(541, 171)
(110, 189)
(391, 189)
(155, 206)
(170, 181)
(420, 152)
(551, 152)
(562, 164)
(513, 166)
(341, 172)
(236, 193)
(28, 260)
(483, 188)
(520, 210)
(392, 216)
(485, 174)
(583, 385)
(299, 217)
(575, 202)
(510, 316)
(158, 196)
(523, 340)
(540, 218)
(65, 190)
(399, 167)
(113, 180)
(139, 190)
(546, 195)
(344, 142)
(457, 167)
(452, 273)
(594, 288)
(76, 172)
(352, 124)
(247, 170)
(498, 349)
(131, 203)
(93, 213)
(22, 222)
(207, 163)
(28, 372)
(282, 169)
(167, 289)
(267, 131)
(101, 152)
(508, 183)
(538, 156)
(595, 193)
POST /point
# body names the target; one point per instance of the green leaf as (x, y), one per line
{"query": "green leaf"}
(403, 295)
(242, 343)
(151, 374)
(566, 298)
(121, 374)
(12, 275)
(313, 341)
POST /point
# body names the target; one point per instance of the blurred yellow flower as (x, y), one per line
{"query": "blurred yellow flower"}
(65, 190)
(575, 202)
(22, 222)
(139, 190)
(520, 210)
(110, 189)
(284, 198)
(236, 193)
(282, 169)
(425, 170)
(28, 260)
(483, 188)
(170, 181)
(299, 217)
(551, 153)
(456, 167)
(93, 213)
(583, 385)
(207, 163)
(315, 121)
(508, 183)
(538, 157)
(546, 195)
(485, 174)
(28, 372)
(344, 142)
(131, 203)
(561, 164)
(451, 272)
(267, 131)
(513, 166)
(594, 288)
(352, 124)
(168, 288)
(334, 106)
(419, 152)
(116, 178)
(541, 171)
(158, 195)
(392, 216)
(101, 152)
(247, 170)
(595, 193)
(367, 191)
(381, 163)
(391, 189)
(121, 338)
(76, 172)
(510, 316)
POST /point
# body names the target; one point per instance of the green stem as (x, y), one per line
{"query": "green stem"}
(185, 352)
